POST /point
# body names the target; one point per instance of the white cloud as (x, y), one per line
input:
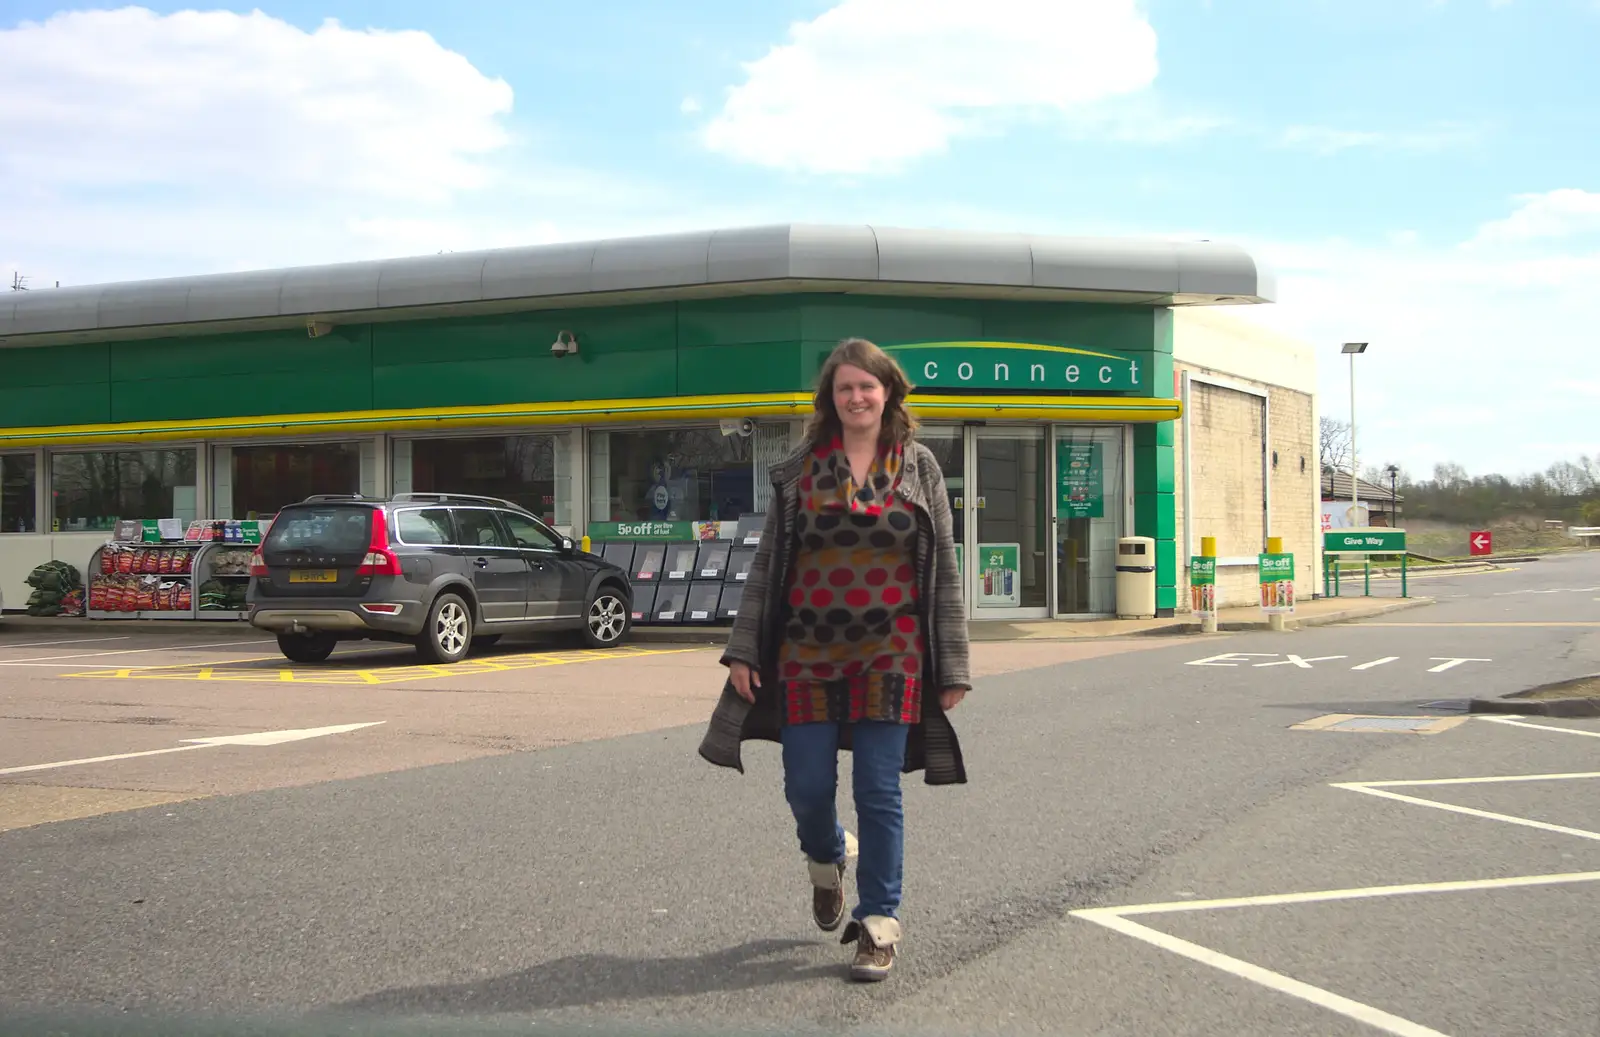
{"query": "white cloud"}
(128, 97)
(871, 84)
(1478, 356)
(142, 145)
(1328, 140)
(690, 106)
(1565, 212)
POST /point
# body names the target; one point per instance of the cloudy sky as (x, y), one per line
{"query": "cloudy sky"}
(1422, 174)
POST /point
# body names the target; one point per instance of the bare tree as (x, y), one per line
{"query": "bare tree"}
(1333, 445)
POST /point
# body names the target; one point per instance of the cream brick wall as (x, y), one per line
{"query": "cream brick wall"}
(1225, 450)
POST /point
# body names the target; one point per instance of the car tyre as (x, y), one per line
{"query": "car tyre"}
(607, 619)
(306, 648)
(447, 635)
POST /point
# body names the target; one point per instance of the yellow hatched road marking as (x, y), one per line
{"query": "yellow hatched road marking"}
(375, 675)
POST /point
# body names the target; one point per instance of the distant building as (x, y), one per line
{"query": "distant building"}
(1383, 505)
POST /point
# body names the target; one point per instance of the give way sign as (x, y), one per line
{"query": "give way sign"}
(1481, 542)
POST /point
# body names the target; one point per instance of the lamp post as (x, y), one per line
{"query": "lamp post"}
(1394, 506)
(1351, 349)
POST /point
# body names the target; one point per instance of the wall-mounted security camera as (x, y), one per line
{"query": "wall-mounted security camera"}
(744, 427)
(317, 328)
(566, 343)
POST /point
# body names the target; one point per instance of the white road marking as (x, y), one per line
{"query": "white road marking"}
(136, 651)
(257, 738)
(1230, 658)
(1376, 662)
(1324, 896)
(1304, 664)
(96, 759)
(1448, 663)
(1512, 722)
(74, 641)
(1543, 826)
(1277, 981)
(1493, 779)
(1116, 919)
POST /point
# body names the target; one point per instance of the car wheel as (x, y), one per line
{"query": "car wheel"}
(306, 648)
(607, 619)
(486, 640)
(448, 633)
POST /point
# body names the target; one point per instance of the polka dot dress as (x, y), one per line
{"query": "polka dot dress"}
(853, 646)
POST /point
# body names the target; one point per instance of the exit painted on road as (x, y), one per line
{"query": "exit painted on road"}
(1258, 660)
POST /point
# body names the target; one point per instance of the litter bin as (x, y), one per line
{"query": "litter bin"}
(1136, 578)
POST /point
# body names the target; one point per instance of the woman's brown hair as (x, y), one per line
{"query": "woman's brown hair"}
(899, 424)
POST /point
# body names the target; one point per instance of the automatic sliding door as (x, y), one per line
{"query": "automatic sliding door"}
(1089, 509)
(1011, 499)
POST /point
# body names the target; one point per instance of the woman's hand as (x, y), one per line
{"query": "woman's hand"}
(950, 698)
(745, 680)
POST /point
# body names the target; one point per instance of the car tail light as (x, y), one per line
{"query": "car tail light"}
(380, 561)
(383, 609)
(258, 564)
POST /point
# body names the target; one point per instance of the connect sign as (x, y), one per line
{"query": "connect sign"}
(1017, 365)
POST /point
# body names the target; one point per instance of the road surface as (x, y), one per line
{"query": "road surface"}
(1169, 836)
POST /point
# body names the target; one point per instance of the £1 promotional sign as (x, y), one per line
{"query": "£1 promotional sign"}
(1277, 582)
(1203, 586)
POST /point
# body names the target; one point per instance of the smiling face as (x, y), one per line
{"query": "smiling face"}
(858, 397)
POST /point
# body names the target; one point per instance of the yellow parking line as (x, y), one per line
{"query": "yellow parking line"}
(383, 675)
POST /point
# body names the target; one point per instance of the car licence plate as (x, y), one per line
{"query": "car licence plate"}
(313, 576)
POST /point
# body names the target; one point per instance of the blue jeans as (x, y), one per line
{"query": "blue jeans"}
(811, 783)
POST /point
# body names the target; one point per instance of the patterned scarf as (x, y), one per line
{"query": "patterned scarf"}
(835, 487)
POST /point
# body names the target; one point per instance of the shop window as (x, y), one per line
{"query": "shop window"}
(679, 475)
(19, 483)
(267, 477)
(91, 491)
(533, 471)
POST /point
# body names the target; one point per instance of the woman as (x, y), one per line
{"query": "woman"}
(852, 635)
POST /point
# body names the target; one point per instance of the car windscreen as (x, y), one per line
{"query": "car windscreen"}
(323, 528)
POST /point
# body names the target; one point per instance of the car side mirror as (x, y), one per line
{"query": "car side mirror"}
(567, 544)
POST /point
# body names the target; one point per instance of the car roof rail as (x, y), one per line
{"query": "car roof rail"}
(317, 498)
(465, 498)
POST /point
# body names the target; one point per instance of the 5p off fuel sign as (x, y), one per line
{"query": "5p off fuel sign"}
(1277, 582)
(1202, 585)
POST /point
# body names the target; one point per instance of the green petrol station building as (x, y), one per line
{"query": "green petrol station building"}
(640, 388)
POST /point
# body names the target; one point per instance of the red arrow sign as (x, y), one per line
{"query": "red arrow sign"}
(1481, 542)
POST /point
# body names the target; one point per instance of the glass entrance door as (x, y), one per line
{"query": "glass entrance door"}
(1009, 500)
(1089, 505)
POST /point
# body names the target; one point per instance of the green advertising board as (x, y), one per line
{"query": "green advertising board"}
(644, 530)
(1080, 480)
(1365, 541)
(999, 574)
(1202, 585)
(1276, 573)
(947, 366)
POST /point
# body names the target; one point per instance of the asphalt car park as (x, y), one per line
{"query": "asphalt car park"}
(100, 717)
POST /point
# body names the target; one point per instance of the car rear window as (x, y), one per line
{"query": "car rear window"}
(429, 526)
(331, 527)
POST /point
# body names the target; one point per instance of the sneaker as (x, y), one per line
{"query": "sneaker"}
(827, 894)
(827, 887)
(875, 939)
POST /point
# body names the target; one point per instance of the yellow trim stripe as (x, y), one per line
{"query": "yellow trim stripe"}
(588, 412)
(1026, 347)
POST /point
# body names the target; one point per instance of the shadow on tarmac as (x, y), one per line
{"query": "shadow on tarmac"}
(585, 980)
